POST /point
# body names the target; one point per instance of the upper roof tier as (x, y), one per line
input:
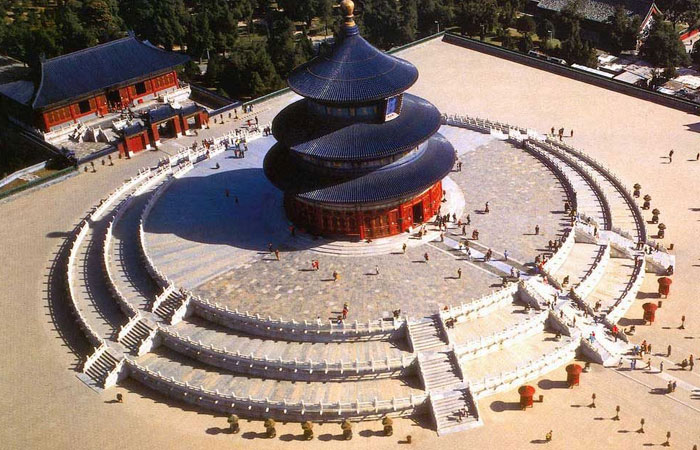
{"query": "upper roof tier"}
(341, 140)
(353, 72)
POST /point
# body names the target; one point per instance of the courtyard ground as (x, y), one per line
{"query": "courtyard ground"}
(45, 406)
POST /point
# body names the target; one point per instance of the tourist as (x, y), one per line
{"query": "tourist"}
(336, 275)
(697, 157)
(469, 219)
(111, 163)
(661, 366)
(454, 217)
(684, 364)
(691, 362)
(464, 230)
(572, 132)
(256, 120)
(426, 257)
(486, 208)
(505, 255)
(92, 163)
(668, 351)
(277, 254)
(269, 248)
(648, 366)
(537, 230)
(469, 254)
(459, 273)
(552, 131)
(442, 237)
(682, 327)
(120, 398)
(376, 270)
(670, 157)
(345, 310)
(548, 436)
(403, 248)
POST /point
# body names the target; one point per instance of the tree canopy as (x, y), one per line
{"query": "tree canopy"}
(663, 47)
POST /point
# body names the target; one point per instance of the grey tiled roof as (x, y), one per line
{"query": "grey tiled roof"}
(329, 139)
(601, 10)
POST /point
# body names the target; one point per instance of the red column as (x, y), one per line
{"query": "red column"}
(156, 135)
(185, 125)
(176, 126)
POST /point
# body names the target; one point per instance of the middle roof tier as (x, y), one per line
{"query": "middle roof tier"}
(304, 132)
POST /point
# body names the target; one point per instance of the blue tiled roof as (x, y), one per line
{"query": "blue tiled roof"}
(20, 91)
(96, 68)
(327, 139)
(354, 71)
(133, 129)
(188, 110)
(161, 113)
(405, 177)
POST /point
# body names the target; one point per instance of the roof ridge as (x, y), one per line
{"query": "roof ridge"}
(89, 49)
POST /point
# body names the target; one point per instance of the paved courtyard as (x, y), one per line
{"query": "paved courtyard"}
(48, 408)
(219, 245)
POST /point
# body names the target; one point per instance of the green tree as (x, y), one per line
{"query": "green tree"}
(575, 51)
(73, 35)
(101, 19)
(324, 11)
(409, 21)
(545, 29)
(249, 72)
(623, 31)
(299, 10)
(431, 11)
(214, 69)
(676, 11)
(526, 24)
(162, 22)
(696, 52)
(662, 47)
(477, 17)
(569, 20)
(381, 22)
(525, 43)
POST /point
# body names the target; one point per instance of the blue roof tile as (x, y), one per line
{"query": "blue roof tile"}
(353, 72)
(87, 71)
(405, 177)
(329, 139)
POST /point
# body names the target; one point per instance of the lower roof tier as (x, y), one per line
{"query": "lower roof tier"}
(405, 177)
(326, 138)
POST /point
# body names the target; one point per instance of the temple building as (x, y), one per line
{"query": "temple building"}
(358, 157)
(91, 83)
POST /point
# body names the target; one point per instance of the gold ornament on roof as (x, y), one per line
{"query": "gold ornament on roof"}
(348, 7)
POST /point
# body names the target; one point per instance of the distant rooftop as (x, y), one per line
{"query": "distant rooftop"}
(601, 10)
(112, 64)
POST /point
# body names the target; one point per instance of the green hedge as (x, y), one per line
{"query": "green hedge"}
(37, 182)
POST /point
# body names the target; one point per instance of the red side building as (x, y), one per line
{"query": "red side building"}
(92, 82)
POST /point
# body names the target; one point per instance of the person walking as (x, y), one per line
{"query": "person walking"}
(505, 255)
(537, 230)
(691, 362)
(682, 327)
(469, 219)
(486, 208)
(376, 270)
(670, 157)
(336, 275)
(426, 257)
(403, 248)
(697, 157)
(661, 366)
(277, 254)
(668, 351)
(648, 366)
(459, 273)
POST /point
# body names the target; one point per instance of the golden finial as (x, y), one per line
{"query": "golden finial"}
(348, 7)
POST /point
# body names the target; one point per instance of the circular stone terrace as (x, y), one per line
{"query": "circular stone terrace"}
(217, 245)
